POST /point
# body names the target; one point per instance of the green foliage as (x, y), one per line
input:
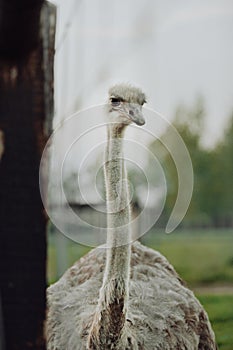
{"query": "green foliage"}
(212, 201)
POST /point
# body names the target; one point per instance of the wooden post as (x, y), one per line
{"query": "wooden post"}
(26, 106)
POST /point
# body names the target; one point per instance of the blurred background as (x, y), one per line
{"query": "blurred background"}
(180, 53)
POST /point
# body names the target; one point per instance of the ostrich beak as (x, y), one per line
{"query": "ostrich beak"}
(135, 114)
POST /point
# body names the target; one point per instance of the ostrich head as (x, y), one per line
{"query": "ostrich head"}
(125, 105)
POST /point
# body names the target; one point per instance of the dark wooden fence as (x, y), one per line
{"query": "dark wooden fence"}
(26, 76)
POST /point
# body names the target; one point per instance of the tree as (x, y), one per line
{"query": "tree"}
(212, 199)
(188, 123)
(223, 178)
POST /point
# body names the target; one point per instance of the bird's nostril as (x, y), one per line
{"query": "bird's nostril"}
(131, 113)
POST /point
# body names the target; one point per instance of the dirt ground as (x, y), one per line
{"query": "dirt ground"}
(214, 289)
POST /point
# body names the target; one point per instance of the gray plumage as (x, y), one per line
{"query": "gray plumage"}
(126, 296)
(163, 313)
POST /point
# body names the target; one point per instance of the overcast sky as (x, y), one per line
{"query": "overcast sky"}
(174, 49)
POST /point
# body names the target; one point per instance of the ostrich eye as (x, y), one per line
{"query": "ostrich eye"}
(115, 101)
(144, 102)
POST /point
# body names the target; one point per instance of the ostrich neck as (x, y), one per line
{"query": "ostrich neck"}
(116, 277)
(117, 192)
(113, 300)
(118, 209)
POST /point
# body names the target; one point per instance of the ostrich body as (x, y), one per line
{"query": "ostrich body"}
(126, 296)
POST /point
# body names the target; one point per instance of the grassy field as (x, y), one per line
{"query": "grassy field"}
(220, 311)
(202, 258)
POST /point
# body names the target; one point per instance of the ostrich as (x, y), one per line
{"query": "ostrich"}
(126, 296)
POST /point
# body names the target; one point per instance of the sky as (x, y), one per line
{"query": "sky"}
(175, 50)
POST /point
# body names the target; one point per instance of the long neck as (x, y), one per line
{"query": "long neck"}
(113, 299)
(117, 193)
(118, 208)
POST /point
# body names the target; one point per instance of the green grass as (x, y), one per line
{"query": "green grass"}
(220, 311)
(200, 257)
(74, 252)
